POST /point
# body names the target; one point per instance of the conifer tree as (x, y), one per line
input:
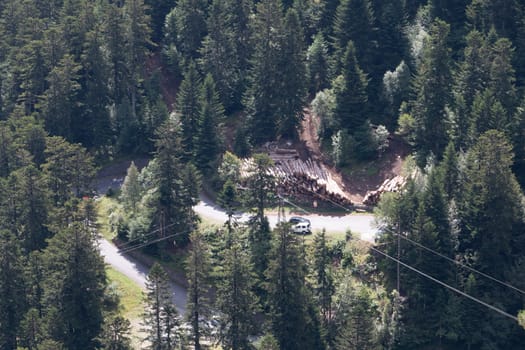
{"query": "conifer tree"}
(351, 100)
(357, 331)
(288, 298)
(207, 140)
(74, 285)
(189, 105)
(317, 64)
(190, 18)
(324, 286)
(293, 86)
(236, 299)
(432, 91)
(354, 20)
(221, 50)
(175, 195)
(12, 302)
(160, 319)
(490, 234)
(261, 100)
(198, 268)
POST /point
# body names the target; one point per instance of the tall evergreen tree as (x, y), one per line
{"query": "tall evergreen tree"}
(261, 100)
(324, 284)
(208, 138)
(358, 329)
(189, 104)
(197, 267)
(288, 297)
(60, 99)
(174, 199)
(294, 86)
(12, 302)
(317, 64)
(220, 57)
(354, 21)
(160, 317)
(74, 286)
(432, 93)
(351, 99)
(190, 18)
(236, 299)
(491, 230)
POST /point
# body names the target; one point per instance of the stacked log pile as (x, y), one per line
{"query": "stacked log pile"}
(305, 180)
(389, 185)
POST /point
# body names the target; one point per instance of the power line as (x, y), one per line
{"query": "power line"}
(145, 235)
(457, 262)
(506, 314)
(145, 244)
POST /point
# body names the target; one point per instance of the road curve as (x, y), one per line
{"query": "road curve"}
(137, 271)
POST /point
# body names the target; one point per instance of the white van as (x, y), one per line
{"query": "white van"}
(302, 228)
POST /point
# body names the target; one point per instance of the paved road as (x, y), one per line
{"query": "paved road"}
(362, 224)
(137, 271)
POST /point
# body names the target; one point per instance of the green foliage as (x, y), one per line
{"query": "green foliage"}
(432, 89)
(317, 64)
(207, 141)
(197, 271)
(236, 299)
(160, 318)
(288, 298)
(261, 100)
(351, 100)
(131, 191)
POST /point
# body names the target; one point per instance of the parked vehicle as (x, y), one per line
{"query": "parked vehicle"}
(300, 225)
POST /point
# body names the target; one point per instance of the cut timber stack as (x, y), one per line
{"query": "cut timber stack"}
(304, 180)
(390, 185)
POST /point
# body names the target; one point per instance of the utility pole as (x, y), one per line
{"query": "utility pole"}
(398, 253)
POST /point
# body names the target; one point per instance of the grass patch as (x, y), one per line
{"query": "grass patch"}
(130, 294)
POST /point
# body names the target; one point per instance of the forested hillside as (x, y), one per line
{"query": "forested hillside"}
(195, 85)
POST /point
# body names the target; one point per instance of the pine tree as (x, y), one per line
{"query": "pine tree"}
(261, 100)
(74, 287)
(317, 64)
(220, 55)
(197, 267)
(116, 334)
(293, 87)
(157, 11)
(59, 99)
(354, 20)
(68, 169)
(324, 286)
(207, 140)
(351, 100)
(357, 332)
(491, 230)
(12, 302)
(288, 298)
(175, 194)
(160, 319)
(432, 91)
(236, 299)
(189, 105)
(190, 17)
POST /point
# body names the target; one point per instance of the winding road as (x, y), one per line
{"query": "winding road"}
(362, 224)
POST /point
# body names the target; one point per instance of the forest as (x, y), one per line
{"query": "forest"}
(197, 87)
